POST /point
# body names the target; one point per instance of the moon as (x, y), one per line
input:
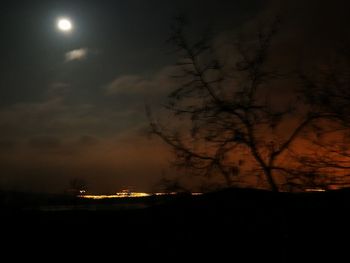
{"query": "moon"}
(64, 24)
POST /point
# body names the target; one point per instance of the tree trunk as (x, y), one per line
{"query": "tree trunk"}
(271, 180)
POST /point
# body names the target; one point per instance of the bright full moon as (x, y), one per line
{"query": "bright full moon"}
(64, 24)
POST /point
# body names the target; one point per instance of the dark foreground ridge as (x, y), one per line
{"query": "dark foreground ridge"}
(237, 223)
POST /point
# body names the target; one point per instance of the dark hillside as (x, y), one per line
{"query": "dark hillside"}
(243, 222)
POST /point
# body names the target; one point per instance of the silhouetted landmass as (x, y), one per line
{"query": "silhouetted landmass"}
(253, 224)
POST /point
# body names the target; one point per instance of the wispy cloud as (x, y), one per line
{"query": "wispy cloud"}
(76, 54)
(58, 89)
(157, 84)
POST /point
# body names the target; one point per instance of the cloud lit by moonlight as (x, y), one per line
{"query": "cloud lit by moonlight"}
(76, 54)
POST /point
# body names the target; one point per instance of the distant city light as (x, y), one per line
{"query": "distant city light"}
(126, 194)
(117, 195)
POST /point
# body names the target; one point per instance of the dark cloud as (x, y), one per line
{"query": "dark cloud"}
(313, 24)
(87, 141)
(7, 145)
(48, 163)
(45, 143)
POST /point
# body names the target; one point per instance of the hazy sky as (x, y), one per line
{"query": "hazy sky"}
(72, 105)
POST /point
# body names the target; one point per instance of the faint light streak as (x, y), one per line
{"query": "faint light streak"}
(315, 190)
(159, 194)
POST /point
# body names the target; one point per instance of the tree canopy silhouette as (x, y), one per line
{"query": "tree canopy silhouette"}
(235, 118)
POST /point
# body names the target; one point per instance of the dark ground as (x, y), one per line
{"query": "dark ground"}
(233, 225)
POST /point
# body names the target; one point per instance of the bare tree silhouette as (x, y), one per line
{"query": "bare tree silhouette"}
(327, 90)
(224, 111)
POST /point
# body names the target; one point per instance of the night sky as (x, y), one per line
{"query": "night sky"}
(73, 105)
